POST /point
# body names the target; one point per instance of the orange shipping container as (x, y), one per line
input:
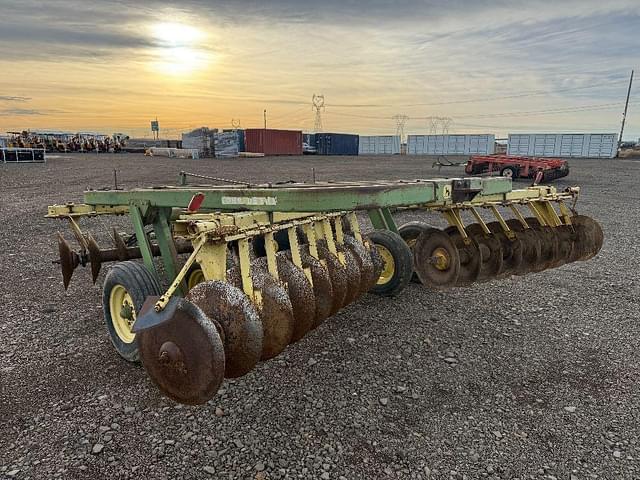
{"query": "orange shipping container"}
(273, 142)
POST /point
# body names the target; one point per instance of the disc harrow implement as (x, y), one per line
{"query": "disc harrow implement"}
(247, 270)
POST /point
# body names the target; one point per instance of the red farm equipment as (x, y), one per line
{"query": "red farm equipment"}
(517, 167)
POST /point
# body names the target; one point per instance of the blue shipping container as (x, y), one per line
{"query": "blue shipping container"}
(337, 144)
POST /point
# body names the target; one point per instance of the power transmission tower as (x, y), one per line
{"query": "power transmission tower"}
(446, 123)
(401, 121)
(235, 123)
(317, 104)
(439, 125)
(433, 125)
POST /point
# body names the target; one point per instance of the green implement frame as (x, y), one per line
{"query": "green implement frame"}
(273, 203)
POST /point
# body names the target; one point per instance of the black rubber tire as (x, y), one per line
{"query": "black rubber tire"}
(402, 258)
(513, 170)
(140, 283)
(410, 232)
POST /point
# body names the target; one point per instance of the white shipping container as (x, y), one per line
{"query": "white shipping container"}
(379, 145)
(596, 145)
(451, 144)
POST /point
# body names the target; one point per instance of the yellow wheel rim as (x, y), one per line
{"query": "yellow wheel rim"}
(195, 278)
(123, 313)
(389, 265)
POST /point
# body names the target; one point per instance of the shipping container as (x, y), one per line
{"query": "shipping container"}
(227, 143)
(309, 144)
(337, 144)
(379, 145)
(451, 144)
(595, 145)
(273, 142)
(201, 139)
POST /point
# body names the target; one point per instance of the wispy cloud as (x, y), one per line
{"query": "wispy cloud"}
(20, 112)
(13, 98)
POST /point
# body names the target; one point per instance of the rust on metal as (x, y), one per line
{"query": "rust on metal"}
(231, 309)
(337, 274)
(322, 288)
(300, 293)
(184, 356)
(436, 259)
(491, 251)
(276, 312)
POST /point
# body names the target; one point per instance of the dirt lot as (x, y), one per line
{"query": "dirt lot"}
(545, 382)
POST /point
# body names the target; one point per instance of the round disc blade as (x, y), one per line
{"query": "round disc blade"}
(491, 249)
(365, 263)
(594, 230)
(470, 257)
(354, 278)
(436, 259)
(239, 320)
(548, 244)
(184, 356)
(338, 277)
(300, 293)
(322, 288)
(583, 238)
(511, 250)
(531, 247)
(276, 312)
(564, 234)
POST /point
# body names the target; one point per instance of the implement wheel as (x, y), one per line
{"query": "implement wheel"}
(194, 276)
(398, 262)
(126, 287)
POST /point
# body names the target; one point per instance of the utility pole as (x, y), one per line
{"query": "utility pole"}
(624, 115)
(265, 118)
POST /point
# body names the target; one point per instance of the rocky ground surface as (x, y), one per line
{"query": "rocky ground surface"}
(533, 377)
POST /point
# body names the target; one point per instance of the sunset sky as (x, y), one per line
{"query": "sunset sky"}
(492, 66)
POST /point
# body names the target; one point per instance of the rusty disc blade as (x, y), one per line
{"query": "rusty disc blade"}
(491, 249)
(184, 356)
(338, 276)
(564, 234)
(584, 242)
(436, 259)
(69, 260)
(322, 288)
(511, 250)
(365, 263)
(470, 257)
(352, 270)
(300, 293)
(548, 244)
(276, 312)
(531, 246)
(593, 231)
(239, 320)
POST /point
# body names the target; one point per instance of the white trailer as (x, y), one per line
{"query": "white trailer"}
(379, 145)
(451, 144)
(594, 145)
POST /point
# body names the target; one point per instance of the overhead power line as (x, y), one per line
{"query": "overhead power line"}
(531, 93)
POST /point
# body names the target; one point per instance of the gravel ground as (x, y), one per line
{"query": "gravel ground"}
(526, 378)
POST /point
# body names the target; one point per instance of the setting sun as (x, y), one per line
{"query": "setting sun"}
(180, 49)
